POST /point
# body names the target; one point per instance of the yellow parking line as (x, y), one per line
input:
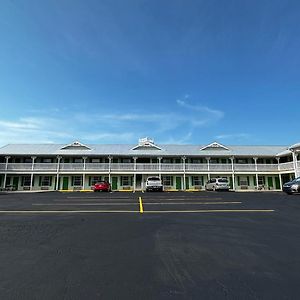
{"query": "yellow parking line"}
(141, 205)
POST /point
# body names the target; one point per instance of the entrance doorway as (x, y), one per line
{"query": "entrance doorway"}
(139, 179)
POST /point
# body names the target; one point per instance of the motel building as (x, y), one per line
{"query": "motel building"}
(35, 167)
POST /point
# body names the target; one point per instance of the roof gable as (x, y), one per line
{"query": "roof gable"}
(214, 146)
(146, 144)
(75, 146)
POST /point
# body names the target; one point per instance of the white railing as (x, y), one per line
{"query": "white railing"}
(139, 167)
(196, 167)
(122, 167)
(19, 166)
(44, 166)
(288, 166)
(172, 167)
(147, 167)
(97, 166)
(220, 167)
(71, 166)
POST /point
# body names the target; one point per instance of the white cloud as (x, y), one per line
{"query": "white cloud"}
(233, 136)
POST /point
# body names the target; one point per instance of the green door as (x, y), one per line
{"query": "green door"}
(277, 183)
(16, 182)
(178, 183)
(270, 181)
(114, 185)
(187, 183)
(65, 183)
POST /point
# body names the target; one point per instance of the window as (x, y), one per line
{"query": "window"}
(77, 160)
(166, 160)
(77, 181)
(47, 160)
(45, 181)
(167, 180)
(196, 180)
(26, 181)
(126, 180)
(261, 180)
(27, 160)
(95, 179)
(243, 180)
(126, 160)
(95, 160)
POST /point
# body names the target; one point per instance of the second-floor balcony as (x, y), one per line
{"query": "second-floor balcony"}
(147, 167)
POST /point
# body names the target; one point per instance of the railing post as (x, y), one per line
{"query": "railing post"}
(32, 168)
(6, 167)
(57, 173)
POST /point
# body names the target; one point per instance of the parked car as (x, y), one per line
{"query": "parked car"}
(215, 184)
(154, 184)
(102, 186)
(292, 187)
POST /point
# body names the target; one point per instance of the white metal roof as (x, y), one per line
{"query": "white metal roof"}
(128, 150)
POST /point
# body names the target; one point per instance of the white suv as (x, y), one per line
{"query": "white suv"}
(154, 184)
(215, 184)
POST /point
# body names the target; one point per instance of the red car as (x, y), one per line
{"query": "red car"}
(103, 186)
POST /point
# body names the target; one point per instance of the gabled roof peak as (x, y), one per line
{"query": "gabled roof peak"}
(146, 143)
(75, 145)
(214, 145)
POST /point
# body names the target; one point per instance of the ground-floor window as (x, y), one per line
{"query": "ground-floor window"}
(197, 180)
(244, 181)
(261, 180)
(94, 179)
(126, 180)
(77, 180)
(26, 181)
(167, 180)
(45, 180)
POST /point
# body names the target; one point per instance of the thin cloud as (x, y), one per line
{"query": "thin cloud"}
(233, 136)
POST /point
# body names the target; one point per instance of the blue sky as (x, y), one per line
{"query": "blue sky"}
(187, 72)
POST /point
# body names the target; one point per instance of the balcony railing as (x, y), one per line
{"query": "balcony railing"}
(131, 167)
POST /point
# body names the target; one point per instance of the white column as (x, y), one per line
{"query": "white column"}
(159, 166)
(256, 175)
(184, 179)
(208, 174)
(83, 174)
(295, 162)
(134, 173)
(57, 173)
(232, 175)
(109, 168)
(6, 166)
(280, 179)
(32, 168)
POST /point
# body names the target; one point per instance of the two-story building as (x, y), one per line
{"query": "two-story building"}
(182, 167)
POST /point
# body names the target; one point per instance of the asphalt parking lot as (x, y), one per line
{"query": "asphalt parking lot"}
(205, 245)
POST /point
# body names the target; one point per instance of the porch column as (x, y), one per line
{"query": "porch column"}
(134, 173)
(232, 170)
(57, 173)
(109, 168)
(83, 175)
(32, 168)
(208, 174)
(279, 174)
(256, 175)
(184, 179)
(295, 162)
(159, 166)
(6, 167)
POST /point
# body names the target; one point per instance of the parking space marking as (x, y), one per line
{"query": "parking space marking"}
(189, 199)
(213, 211)
(88, 204)
(141, 205)
(192, 203)
(83, 198)
(136, 211)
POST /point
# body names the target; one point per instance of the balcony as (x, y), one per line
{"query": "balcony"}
(150, 167)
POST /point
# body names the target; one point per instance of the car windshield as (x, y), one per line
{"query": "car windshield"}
(223, 180)
(154, 179)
